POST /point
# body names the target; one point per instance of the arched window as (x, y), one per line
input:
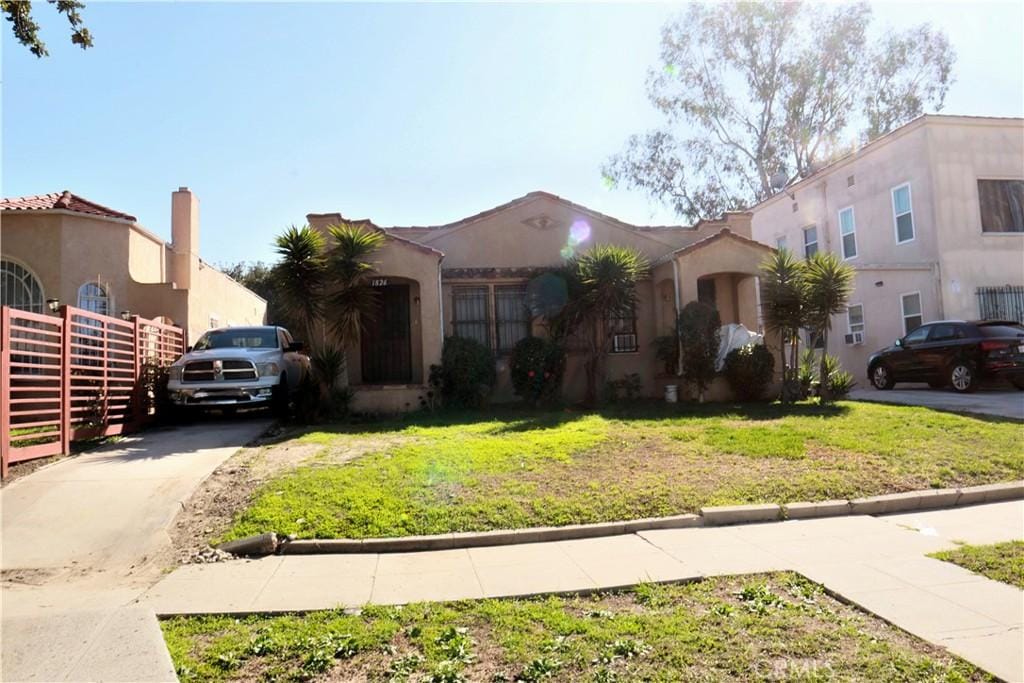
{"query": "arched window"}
(93, 297)
(19, 288)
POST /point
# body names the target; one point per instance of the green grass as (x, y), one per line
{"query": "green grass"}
(999, 562)
(771, 627)
(439, 473)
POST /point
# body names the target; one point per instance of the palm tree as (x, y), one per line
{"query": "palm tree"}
(829, 283)
(783, 311)
(601, 286)
(300, 277)
(324, 286)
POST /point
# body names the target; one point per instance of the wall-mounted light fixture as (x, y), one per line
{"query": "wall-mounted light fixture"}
(53, 305)
(126, 315)
(879, 283)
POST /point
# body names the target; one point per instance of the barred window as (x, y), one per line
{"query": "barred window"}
(512, 315)
(470, 318)
(623, 332)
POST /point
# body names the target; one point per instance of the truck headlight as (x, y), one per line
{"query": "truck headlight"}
(174, 372)
(268, 369)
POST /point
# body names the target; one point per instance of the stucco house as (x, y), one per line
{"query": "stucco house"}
(469, 278)
(63, 247)
(931, 217)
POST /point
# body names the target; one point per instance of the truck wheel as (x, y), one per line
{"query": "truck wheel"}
(279, 398)
(962, 377)
(881, 377)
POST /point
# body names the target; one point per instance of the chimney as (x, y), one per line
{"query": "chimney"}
(184, 236)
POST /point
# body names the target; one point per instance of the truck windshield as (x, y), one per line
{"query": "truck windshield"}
(238, 339)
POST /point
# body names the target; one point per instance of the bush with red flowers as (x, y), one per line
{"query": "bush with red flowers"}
(536, 367)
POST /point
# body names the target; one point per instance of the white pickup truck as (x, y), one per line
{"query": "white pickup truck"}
(237, 367)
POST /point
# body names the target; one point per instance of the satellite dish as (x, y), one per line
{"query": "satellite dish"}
(779, 180)
(547, 295)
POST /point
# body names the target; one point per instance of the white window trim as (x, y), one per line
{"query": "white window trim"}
(895, 225)
(903, 312)
(816, 242)
(863, 324)
(842, 244)
(111, 308)
(782, 238)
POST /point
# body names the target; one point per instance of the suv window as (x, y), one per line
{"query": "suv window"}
(945, 333)
(1001, 330)
(918, 335)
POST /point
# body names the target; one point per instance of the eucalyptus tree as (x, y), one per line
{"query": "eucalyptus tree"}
(750, 90)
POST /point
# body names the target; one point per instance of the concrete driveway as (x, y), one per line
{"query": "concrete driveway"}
(999, 402)
(84, 537)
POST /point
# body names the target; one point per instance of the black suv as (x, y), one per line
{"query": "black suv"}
(954, 352)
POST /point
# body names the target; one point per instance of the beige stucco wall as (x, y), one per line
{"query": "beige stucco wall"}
(969, 258)
(66, 250)
(941, 158)
(400, 262)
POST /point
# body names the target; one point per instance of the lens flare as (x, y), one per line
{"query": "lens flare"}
(579, 232)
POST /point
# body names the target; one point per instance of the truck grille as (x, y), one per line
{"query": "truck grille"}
(219, 371)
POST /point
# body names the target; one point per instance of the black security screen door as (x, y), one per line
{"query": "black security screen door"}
(386, 346)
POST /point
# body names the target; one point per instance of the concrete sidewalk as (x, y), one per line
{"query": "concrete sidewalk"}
(878, 563)
(83, 538)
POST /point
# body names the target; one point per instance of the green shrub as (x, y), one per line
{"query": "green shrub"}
(536, 367)
(840, 382)
(749, 370)
(628, 387)
(466, 376)
(699, 329)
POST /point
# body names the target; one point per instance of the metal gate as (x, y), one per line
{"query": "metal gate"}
(1001, 303)
(76, 375)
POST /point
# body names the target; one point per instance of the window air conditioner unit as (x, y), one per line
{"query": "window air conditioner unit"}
(854, 338)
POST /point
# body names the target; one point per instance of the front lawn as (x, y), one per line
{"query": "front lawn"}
(510, 468)
(999, 562)
(773, 627)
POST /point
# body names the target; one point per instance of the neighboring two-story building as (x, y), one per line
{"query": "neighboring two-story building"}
(931, 216)
(64, 248)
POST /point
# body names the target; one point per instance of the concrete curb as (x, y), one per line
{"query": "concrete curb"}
(928, 499)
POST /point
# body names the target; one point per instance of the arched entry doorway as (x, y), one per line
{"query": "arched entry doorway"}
(386, 342)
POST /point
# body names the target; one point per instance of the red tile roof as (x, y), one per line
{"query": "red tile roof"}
(62, 201)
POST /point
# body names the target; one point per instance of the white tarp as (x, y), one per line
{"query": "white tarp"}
(735, 336)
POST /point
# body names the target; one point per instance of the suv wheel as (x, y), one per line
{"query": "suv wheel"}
(962, 377)
(881, 377)
(279, 398)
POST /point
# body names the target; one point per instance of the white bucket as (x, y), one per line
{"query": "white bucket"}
(671, 393)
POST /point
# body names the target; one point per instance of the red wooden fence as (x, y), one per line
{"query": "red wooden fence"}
(76, 375)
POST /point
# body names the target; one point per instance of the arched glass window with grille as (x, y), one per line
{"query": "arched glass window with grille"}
(19, 288)
(93, 297)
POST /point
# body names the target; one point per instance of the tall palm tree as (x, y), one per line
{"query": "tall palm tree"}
(324, 285)
(601, 285)
(829, 284)
(783, 311)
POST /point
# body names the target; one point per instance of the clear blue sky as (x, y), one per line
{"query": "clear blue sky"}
(406, 114)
